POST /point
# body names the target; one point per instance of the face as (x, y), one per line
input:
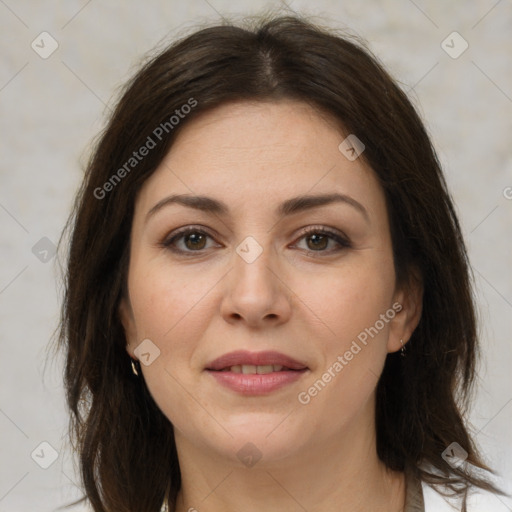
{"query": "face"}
(269, 319)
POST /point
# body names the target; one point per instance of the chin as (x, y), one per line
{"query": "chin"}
(260, 436)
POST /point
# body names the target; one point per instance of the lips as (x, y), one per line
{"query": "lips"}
(246, 360)
(256, 373)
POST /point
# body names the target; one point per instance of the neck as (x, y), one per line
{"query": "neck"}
(342, 474)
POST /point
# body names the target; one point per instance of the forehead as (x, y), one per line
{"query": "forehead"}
(258, 153)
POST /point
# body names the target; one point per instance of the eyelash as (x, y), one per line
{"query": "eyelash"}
(342, 241)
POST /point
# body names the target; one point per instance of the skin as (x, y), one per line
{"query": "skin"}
(305, 300)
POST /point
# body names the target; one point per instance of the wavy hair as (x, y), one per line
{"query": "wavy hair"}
(125, 444)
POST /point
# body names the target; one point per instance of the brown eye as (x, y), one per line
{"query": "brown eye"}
(195, 241)
(318, 239)
(318, 242)
(187, 241)
(190, 240)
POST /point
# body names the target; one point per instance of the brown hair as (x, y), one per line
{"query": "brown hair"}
(126, 447)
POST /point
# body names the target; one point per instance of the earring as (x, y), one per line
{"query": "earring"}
(402, 350)
(134, 368)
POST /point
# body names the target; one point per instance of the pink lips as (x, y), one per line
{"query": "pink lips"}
(244, 357)
(255, 383)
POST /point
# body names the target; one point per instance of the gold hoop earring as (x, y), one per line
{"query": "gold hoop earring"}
(134, 368)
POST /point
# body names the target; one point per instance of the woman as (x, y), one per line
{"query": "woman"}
(268, 303)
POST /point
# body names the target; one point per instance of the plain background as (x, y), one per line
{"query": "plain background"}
(52, 108)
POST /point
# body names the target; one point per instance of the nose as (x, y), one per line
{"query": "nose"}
(256, 293)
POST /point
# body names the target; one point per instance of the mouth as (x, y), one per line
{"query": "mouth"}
(247, 362)
(251, 369)
(255, 373)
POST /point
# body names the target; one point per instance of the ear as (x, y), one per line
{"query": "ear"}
(410, 297)
(128, 321)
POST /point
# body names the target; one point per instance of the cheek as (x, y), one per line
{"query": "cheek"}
(172, 307)
(168, 301)
(347, 299)
(354, 309)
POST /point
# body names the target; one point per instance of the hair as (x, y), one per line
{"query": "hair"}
(127, 454)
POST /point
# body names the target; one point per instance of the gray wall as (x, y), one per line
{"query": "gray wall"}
(51, 108)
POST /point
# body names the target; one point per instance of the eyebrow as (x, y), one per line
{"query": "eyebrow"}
(287, 208)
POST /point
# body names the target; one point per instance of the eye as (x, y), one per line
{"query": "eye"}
(318, 238)
(194, 240)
